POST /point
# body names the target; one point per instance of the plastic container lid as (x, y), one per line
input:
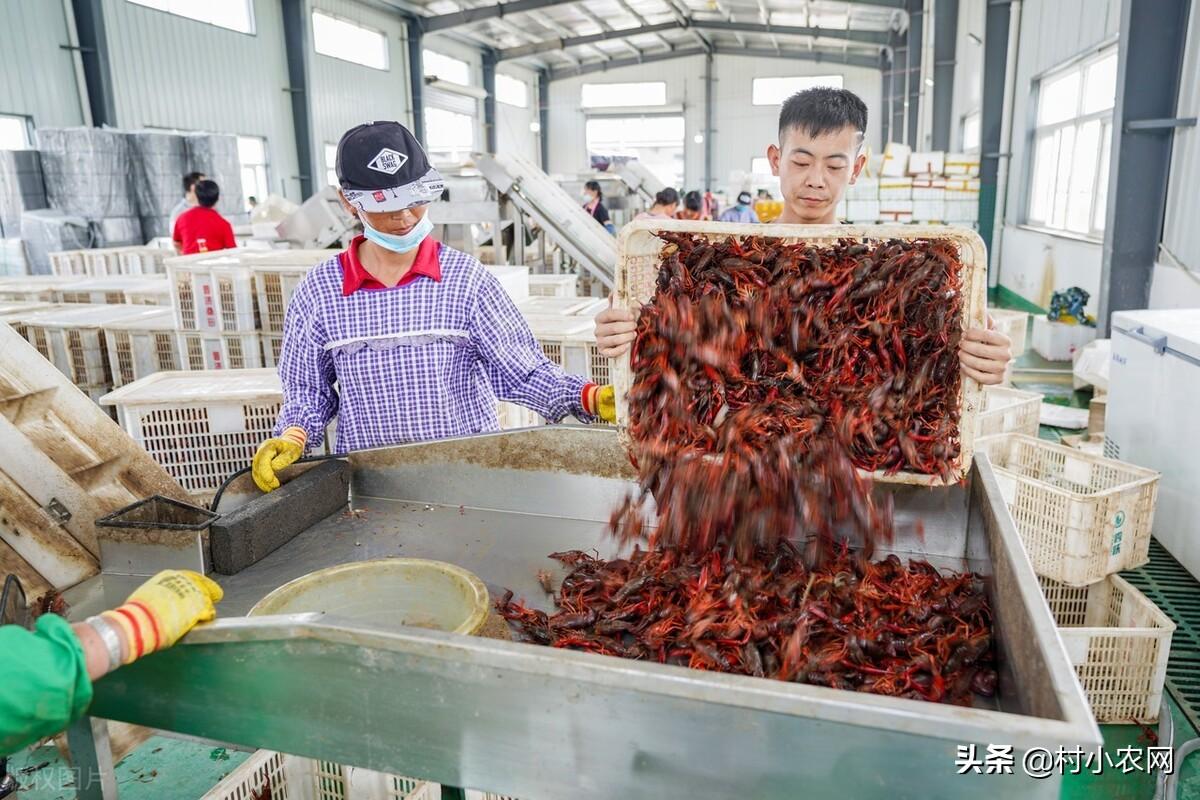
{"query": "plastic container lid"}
(198, 386)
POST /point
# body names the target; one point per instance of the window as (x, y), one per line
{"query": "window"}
(338, 38)
(236, 15)
(615, 95)
(252, 155)
(773, 91)
(449, 137)
(970, 132)
(14, 133)
(655, 141)
(511, 91)
(331, 164)
(445, 68)
(1069, 181)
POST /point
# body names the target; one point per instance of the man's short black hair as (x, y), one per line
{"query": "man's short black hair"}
(190, 180)
(823, 110)
(692, 201)
(667, 197)
(207, 193)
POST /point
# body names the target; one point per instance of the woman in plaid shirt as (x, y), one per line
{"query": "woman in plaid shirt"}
(420, 339)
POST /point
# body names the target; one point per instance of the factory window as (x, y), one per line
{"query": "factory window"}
(338, 38)
(617, 95)
(14, 132)
(656, 141)
(236, 15)
(331, 164)
(445, 68)
(773, 91)
(1068, 188)
(512, 91)
(970, 132)
(449, 137)
(252, 154)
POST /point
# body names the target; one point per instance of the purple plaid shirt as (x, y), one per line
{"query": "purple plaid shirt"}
(427, 360)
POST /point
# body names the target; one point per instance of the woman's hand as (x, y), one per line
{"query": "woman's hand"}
(984, 355)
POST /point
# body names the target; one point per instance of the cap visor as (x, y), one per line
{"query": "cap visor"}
(376, 201)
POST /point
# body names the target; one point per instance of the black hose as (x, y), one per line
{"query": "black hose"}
(212, 506)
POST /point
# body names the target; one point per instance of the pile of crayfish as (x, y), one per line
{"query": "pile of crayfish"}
(876, 627)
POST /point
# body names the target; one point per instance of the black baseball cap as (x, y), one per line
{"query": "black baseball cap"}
(744, 198)
(382, 167)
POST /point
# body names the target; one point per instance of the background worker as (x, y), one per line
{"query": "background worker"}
(202, 229)
(593, 203)
(46, 675)
(666, 203)
(740, 211)
(693, 206)
(819, 153)
(420, 338)
(188, 200)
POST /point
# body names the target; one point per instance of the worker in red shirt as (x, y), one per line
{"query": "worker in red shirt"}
(202, 229)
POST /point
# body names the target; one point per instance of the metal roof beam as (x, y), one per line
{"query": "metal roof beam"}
(469, 15)
(879, 38)
(824, 56)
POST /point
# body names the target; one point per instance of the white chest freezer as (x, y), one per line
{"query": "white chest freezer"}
(1153, 416)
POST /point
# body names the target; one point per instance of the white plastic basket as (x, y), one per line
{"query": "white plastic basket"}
(1081, 516)
(514, 280)
(1008, 411)
(553, 285)
(215, 350)
(102, 261)
(201, 426)
(1058, 341)
(277, 273)
(141, 347)
(34, 288)
(67, 262)
(1012, 324)
(272, 346)
(143, 260)
(570, 342)
(213, 292)
(569, 306)
(116, 289)
(512, 416)
(1118, 641)
(277, 776)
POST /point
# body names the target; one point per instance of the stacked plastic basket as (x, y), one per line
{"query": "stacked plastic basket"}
(1083, 518)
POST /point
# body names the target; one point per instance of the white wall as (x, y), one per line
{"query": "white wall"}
(1052, 33)
(37, 77)
(742, 131)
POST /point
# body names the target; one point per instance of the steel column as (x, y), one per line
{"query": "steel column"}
(991, 116)
(945, 37)
(1150, 59)
(489, 102)
(885, 98)
(899, 70)
(912, 73)
(93, 48)
(416, 78)
(296, 48)
(544, 118)
(708, 122)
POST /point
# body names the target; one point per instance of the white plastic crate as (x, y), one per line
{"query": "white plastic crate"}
(277, 273)
(213, 292)
(1012, 324)
(116, 289)
(34, 288)
(272, 346)
(72, 337)
(200, 426)
(1058, 341)
(512, 416)
(1008, 410)
(278, 776)
(12, 313)
(143, 260)
(514, 280)
(570, 342)
(141, 347)
(1081, 516)
(1118, 641)
(553, 285)
(67, 262)
(558, 305)
(102, 261)
(216, 350)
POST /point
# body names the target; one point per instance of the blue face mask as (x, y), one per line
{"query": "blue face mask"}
(399, 244)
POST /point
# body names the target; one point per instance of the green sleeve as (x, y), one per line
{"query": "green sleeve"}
(44, 683)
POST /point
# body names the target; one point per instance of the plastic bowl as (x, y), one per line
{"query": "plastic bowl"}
(385, 593)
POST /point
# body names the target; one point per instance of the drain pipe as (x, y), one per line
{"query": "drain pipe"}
(85, 102)
(1006, 128)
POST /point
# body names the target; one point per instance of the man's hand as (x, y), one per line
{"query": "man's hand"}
(163, 609)
(984, 355)
(616, 328)
(276, 454)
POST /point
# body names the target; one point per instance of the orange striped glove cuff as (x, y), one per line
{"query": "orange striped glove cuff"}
(142, 629)
(589, 399)
(295, 434)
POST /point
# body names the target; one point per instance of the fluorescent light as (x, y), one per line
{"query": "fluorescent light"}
(535, 126)
(456, 88)
(698, 138)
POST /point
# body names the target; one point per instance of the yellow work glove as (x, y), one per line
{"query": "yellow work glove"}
(601, 401)
(163, 609)
(276, 454)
